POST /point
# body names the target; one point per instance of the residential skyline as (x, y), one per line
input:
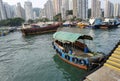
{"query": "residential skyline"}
(40, 3)
(53, 7)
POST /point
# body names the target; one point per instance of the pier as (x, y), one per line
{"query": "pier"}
(110, 71)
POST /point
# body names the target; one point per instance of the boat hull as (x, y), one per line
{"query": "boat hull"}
(41, 30)
(105, 26)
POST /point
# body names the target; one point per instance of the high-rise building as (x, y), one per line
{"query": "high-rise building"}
(119, 9)
(82, 9)
(28, 10)
(116, 9)
(0, 17)
(42, 13)
(2, 10)
(49, 12)
(36, 11)
(75, 8)
(13, 11)
(95, 8)
(109, 9)
(19, 10)
(64, 8)
(57, 6)
(34, 15)
(8, 10)
(70, 4)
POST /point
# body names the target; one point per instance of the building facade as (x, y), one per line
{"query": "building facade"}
(95, 8)
(49, 12)
(42, 13)
(8, 10)
(57, 6)
(109, 9)
(20, 12)
(2, 10)
(64, 8)
(28, 10)
(75, 8)
(82, 9)
(116, 9)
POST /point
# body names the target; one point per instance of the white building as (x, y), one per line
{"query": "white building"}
(0, 17)
(8, 10)
(82, 9)
(116, 9)
(42, 13)
(70, 4)
(57, 6)
(64, 8)
(48, 10)
(75, 8)
(34, 15)
(13, 11)
(109, 9)
(95, 8)
(2, 10)
(19, 10)
(28, 10)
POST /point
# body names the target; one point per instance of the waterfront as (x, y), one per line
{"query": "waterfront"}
(32, 58)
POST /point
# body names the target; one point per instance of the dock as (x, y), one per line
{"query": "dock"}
(110, 71)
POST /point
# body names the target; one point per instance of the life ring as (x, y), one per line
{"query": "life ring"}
(82, 61)
(57, 51)
(54, 46)
(60, 53)
(75, 60)
(67, 57)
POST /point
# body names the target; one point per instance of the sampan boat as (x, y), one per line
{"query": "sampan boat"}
(71, 50)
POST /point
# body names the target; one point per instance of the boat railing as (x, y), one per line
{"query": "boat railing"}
(72, 47)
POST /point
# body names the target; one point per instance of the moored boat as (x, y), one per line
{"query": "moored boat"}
(74, 52)
(108, 23)
(82, 24)
(38, 29)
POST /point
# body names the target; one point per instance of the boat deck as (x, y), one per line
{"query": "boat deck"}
(75, 51)
(78, 52)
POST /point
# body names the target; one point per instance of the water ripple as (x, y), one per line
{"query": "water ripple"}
(32, 58)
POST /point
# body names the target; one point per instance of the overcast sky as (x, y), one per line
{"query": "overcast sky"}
(40, 3)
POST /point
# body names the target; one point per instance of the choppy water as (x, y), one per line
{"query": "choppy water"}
(32, 58)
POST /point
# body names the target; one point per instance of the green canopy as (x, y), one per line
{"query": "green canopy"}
(69, 37)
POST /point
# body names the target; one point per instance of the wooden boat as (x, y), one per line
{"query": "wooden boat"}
(74, 52)
(37, 29)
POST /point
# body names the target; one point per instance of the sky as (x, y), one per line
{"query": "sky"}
(40, 3)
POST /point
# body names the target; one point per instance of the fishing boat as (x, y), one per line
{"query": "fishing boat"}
(106, 24)
(34, 29)
(71, 50)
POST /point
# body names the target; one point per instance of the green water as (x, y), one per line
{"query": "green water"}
(32, 58)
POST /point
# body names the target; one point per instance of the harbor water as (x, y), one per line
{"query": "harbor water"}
(32, 58)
